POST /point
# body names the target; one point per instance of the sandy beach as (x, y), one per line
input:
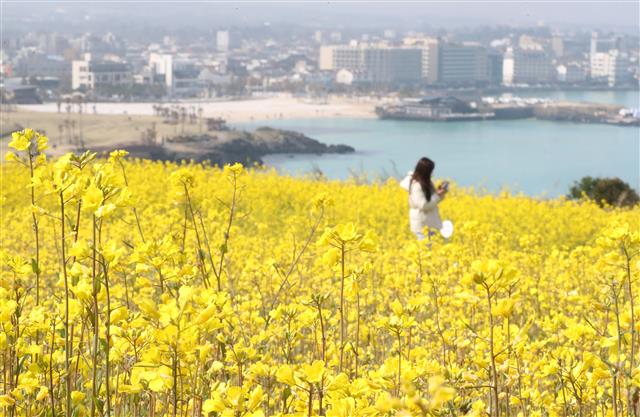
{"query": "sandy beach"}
(279, 107)
(115, 124)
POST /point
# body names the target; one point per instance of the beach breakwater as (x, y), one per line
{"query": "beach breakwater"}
(451, 109)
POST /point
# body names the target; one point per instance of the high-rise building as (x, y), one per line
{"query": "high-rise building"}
(462, 63)
(393, 65)
(611, 66)
(337, 57)
(325, 58)
(430, 63)
(429, 47)
(528, 66)
(376, 64)
(222, 40)
(161, 66)
(495, 66)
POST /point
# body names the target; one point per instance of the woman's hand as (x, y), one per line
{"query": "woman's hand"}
(441, 191)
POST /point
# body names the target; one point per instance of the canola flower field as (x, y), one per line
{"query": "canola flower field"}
(139, 288)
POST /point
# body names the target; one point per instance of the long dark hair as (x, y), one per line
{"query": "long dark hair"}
(422, 175)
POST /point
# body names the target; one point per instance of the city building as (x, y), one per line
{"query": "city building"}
(336, 57)
(430, 65)
(462, 63)
(16, 93)
(41, 65)
(495, 64)
(527, 42)
(429, 47)
(599, 44)
(611, 67)
(161, 66)
(186, 80)
(571, 73)
(222, 40)
(526, 66)
(93, 74)
(393, 65)
(378, 64)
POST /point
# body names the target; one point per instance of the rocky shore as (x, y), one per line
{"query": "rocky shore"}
(230, 146)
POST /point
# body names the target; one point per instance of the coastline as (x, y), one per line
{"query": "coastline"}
(234, 111)
(135, 127)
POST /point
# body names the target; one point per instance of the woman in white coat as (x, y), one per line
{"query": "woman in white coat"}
(423, 198)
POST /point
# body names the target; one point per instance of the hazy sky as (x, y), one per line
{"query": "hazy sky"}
(621, 15)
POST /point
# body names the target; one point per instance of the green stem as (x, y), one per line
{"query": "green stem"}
(96, 329)
(342, 253)
(67, 347)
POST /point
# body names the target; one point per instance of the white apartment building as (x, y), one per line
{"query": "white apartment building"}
(161, 66)
(462, 63)
(609, 66)
(91, 74)
(527, 66)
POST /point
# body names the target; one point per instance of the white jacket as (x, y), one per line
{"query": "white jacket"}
(421, 212)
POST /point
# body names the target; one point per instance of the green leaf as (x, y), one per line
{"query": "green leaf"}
(286, 393)
(34, 267)
(103, 344)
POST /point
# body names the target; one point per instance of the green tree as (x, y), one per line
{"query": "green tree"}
(612, 191)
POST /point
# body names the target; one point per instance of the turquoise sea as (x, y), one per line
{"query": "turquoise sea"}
(540, 158)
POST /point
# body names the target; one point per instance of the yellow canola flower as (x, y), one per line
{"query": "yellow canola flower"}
(285, 375)
(117, 155)
(235, 169)
(21, 141)
(504, 307)
(42, 143)
(223, 293)
(6, 400)
(43, 393)
(12, 157)
(92, 198)
(216, 405)
(312, 373)
(77, 397)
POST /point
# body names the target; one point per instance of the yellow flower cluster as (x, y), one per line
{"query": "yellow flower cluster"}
(139, 288)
